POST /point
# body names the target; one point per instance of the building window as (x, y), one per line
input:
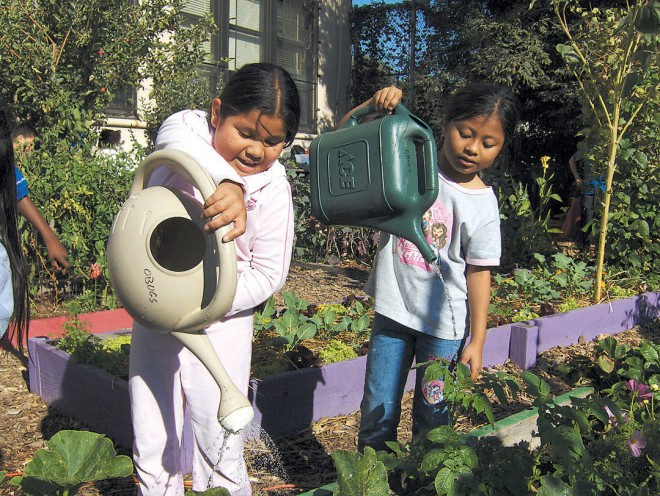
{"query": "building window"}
(277, 31)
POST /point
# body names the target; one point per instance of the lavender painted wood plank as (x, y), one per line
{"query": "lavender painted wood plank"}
(93, 396)
(523, 347)
(288, 402)
(496, 346)
(607, 318)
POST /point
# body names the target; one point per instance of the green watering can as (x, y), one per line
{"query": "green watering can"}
(381, 174)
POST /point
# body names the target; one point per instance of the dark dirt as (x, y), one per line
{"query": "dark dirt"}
(26, 422)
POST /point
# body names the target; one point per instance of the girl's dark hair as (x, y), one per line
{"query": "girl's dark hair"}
(484, 99)
(9, 236)
(265, 87)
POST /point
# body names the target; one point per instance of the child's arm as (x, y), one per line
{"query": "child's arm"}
(384, 101)
(270, 239)
(56, 252)
(478, 284)
(188, 132)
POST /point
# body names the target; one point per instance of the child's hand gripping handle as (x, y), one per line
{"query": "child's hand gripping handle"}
(223, 298)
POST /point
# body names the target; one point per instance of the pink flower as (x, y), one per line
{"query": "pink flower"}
(94, 271)
(643, 391)
(613, 419)
(636, 443)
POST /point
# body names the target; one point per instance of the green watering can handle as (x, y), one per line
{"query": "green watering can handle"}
(360, 113)
(430, 174)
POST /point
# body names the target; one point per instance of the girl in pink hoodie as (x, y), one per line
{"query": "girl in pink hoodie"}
(255, 117)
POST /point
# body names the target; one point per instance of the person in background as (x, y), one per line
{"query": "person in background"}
(255, 117)
(420, 316)
(23, 136)
(583, 201)
(14, 300)
(109, 142)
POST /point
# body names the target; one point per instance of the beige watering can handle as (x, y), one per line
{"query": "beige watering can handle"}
(223, 298)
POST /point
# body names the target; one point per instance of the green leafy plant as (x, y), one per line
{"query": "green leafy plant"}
(263, 317)
(293, 326)
(110, 354)
(554, 283)
(214, 491)
(606, 443)
(611, 53)
(72, 459)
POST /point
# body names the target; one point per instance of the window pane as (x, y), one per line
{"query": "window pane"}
(306, 92)
(292, 57)
(197, 8)
(243, 49)
(193, 10)
(290, 23)
(245, 14)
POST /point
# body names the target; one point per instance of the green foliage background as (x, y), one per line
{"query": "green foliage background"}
(63, 64)
(514, 42)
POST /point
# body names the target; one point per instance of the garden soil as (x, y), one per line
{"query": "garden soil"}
(302, 460)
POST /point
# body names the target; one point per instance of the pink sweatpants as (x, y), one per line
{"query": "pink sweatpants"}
(168, 383)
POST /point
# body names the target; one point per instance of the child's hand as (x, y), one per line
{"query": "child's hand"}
(57, 254)
(386, 99)
(225, 206)
(472, 355)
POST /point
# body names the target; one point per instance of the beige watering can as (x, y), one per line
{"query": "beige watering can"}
(170, 275)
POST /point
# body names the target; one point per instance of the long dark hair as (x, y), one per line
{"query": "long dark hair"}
(485, 99)
(266, 87)
(9, 236)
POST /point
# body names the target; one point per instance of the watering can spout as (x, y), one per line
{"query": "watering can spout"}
(235, 411)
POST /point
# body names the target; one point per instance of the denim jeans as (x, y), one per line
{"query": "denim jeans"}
(392, 349)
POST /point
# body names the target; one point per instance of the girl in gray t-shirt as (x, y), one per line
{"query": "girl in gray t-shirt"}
(414, 319)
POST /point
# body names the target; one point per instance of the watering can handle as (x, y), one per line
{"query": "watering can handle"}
(355, 117)
(188, 167)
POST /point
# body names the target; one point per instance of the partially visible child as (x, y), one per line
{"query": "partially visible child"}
(414, 318)
(14, 300)
(23, 137)
(256, 116)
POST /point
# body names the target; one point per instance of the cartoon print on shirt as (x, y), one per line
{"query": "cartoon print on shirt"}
(439, 237)
(437, 224)
(433, 391)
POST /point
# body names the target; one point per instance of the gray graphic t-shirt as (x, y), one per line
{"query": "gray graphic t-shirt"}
(462, 227)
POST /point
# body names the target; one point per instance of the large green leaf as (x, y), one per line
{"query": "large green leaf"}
(361, 474)
(214, 491)
(72, 459)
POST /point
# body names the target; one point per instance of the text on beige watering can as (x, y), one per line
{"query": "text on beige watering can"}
(381, 174)
(170, 275)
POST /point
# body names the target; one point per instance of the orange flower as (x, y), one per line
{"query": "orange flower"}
(94, 271)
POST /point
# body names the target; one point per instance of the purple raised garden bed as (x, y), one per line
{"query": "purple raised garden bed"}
(285, 403)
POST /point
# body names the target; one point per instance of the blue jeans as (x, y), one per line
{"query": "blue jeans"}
(392, 349)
